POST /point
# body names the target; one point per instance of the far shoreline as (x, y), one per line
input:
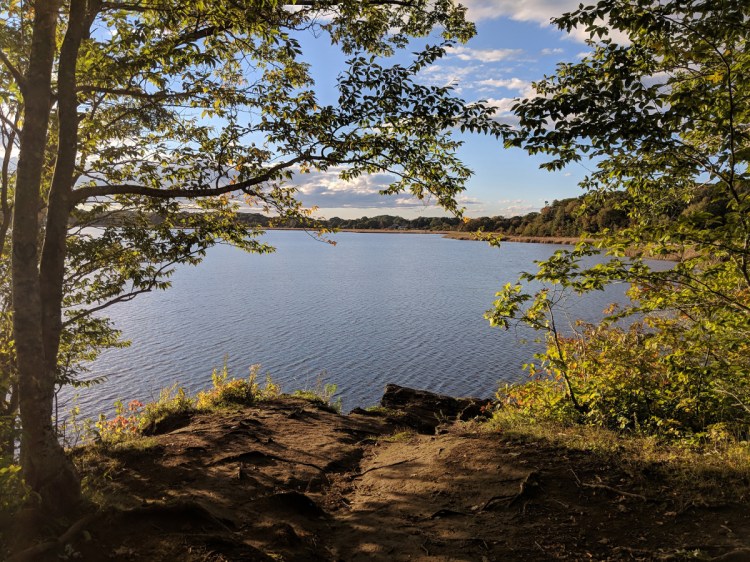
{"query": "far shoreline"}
(453, 235)
(471, 236)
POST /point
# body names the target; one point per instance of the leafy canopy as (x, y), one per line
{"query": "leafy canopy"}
(663, 116)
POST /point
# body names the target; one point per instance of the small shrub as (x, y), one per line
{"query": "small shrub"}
(131, 420)
(323, 394)
(535, 401)
(73, 430)
(13, 490)
(125, 425)
(172, 401)
(400, 436)
(228, 391)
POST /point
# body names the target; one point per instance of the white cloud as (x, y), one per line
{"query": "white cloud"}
(507, 83)
(540, 11)
(503, 108)
(515, 207)
(484, 55)
(361, 196)
(326, 190)
(556, 51)
(442, 74)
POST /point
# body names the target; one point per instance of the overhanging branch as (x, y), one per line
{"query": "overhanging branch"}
(84, 193)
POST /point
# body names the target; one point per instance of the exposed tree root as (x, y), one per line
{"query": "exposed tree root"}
(251, 456)
(31, 554)
(361, 474)
(528, 488)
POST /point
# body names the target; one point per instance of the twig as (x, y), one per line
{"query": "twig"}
(575, 476)
(493, 499)
(609, 488)
(615, 490)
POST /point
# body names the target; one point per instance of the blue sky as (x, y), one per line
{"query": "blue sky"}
(514, 46)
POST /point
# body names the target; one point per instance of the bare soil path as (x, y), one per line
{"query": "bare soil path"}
(287, 480)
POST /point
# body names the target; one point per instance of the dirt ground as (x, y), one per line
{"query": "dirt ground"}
(290, 481)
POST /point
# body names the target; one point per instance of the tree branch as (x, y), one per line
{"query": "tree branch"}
(17, 76)
(188, 193)
(13, 126)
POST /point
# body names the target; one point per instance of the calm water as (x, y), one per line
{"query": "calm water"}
(376, 308)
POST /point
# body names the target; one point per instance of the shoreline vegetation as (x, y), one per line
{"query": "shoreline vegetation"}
(244, 472)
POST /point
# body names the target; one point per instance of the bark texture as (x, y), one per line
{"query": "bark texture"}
(46, 468)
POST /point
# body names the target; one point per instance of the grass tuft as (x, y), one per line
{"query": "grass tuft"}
(323, 394)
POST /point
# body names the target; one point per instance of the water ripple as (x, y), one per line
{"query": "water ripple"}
(374, 309)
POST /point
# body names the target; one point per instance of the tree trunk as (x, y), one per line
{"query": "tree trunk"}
(46, 468)
(52, 267)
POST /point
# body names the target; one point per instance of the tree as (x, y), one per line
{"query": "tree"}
(664, 117)
(130, 109)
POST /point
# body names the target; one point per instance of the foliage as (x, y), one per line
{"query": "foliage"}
(172, 400)
(621, 382)
(700, 470)
(663, 118)
(400, 437)
(322, 393)
(536, 400)
(227, 392)
(132, 419)
(563, 218)
(73, 430)
(126, 424)
(13, 491)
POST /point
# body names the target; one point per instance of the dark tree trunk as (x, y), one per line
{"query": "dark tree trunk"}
(46, 468)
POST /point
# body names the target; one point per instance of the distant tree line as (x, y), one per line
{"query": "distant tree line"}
(587, 214)
(566, 217)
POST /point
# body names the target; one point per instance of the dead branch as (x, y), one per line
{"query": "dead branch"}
(608, 488)
(615, 490)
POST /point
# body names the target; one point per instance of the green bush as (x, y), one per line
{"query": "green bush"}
(172, 401)
(631, 379)
(130, 421)
(228, 391)
(13, 491)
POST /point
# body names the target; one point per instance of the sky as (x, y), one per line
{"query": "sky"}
(514, 46)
